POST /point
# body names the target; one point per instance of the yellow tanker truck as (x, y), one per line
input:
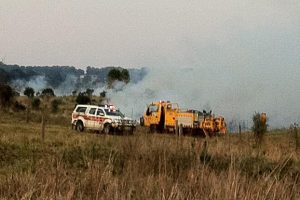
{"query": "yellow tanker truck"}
(165, 116)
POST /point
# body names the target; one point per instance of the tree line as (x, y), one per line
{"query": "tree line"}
(55, 76)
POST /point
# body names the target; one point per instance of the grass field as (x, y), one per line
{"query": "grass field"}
(71, 165)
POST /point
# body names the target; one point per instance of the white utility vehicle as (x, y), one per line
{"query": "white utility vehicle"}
(103, 118)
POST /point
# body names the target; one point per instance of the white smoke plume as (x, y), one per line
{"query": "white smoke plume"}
(37, 83)
(66, 87)
(228, 92)
(233, 92)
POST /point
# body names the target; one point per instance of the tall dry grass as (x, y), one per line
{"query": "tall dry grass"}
(69, 165)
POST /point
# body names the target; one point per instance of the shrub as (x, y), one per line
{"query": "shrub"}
(6, 95)
(55, 105)
(259, 126)
(18, 106)
(74, 157)
(48, 92)
(36, 102)
(103, 94)
(82, 98)
(89, 92)
(29, 92)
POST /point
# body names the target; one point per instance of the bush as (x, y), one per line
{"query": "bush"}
(48, 92)
(36, 102)
(82, 98)
(259, 126)
(55, 105)
(89, 92)
(18, 106)
(6, 95)
(29, 92)
(74, 157)
(103, 94)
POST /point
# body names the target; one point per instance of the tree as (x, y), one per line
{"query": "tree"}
(29, 92)
(6, 95)
(125, 76)
(117, 75)
(48, 92)
(114, 75)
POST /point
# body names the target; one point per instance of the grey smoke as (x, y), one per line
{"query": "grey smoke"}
(37, 83)
(230, 93)
(234, 92)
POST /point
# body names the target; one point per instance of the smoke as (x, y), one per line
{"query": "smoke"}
(36, 82)
(235, 92)
(232, 92)
(66, 87)
(63, 82)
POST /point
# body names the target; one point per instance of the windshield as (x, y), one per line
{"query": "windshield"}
(114, 113)
(153, 108)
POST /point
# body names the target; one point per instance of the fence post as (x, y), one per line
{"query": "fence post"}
(43, 126)
(296, 136)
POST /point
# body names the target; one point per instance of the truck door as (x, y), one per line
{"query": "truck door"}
(100, 117)
(152, 115)
(90, 122)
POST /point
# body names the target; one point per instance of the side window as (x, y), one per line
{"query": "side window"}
(100, 112)
(92, 111)
(81, 109)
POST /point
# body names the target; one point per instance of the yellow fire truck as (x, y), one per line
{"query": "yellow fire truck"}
(164, 116)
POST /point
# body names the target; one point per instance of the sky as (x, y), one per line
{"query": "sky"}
(176, 33)
(235, 56)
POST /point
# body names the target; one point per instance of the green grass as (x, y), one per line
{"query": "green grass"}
(71, 165)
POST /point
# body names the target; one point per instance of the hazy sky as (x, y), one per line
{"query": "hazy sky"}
(132, 33)
(235, 56)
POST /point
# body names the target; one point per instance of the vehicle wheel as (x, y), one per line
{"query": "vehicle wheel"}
(106, 129)
(79, 126)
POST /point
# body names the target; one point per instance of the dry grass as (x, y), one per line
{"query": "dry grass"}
(69, 165)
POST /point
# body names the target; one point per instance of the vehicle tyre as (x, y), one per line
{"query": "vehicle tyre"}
(106, 129)
(79, 126)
